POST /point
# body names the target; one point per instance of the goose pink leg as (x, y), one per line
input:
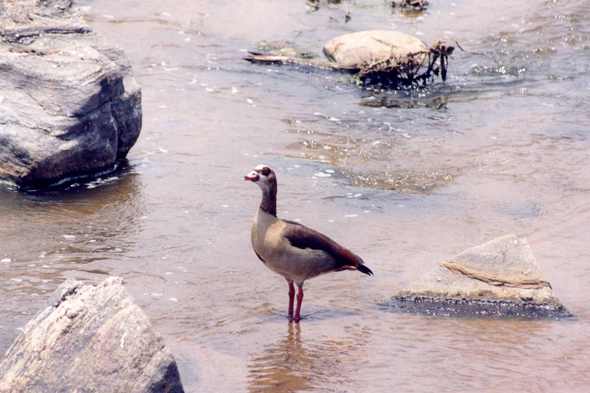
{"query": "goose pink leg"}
(297, 316)
(291, 298)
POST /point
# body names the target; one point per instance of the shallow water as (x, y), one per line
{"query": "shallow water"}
(405, 179)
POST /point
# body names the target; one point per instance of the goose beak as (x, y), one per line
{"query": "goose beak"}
(253, 176)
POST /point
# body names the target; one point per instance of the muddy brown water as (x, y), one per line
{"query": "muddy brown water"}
(405, 179)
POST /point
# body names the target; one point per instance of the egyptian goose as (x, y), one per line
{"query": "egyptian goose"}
(291, 249)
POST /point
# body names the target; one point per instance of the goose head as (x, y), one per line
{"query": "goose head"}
(264, 177)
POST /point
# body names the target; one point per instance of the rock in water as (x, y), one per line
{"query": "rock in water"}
(390, 59)
(89, 339)
(499, 277)
(69, 104)
(373, 46)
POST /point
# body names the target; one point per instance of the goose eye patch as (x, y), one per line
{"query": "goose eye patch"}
(265, 171)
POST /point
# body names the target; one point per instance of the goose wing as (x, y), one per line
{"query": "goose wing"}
(303, 237)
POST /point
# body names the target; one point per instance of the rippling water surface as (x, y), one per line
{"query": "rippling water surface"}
(405, 179)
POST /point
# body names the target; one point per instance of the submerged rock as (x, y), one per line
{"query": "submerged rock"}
(411, 4)
(284, 48)
(69, 104)
(91, 339)
(499, 277)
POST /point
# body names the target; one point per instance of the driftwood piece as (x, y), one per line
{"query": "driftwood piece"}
(498, 281)
(255, 57)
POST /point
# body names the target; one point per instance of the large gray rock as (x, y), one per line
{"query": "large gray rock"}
(69, 104)
(89, 339)
(373, 46)
(500, 275)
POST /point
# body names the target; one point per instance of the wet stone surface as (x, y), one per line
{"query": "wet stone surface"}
(448, 307)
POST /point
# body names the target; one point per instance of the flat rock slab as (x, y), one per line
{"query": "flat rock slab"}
(69, 104)
(372, 46)
(500, 277)
(89, 339)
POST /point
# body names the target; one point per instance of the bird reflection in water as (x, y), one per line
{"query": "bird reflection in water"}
(283, 366)
(294, 363)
